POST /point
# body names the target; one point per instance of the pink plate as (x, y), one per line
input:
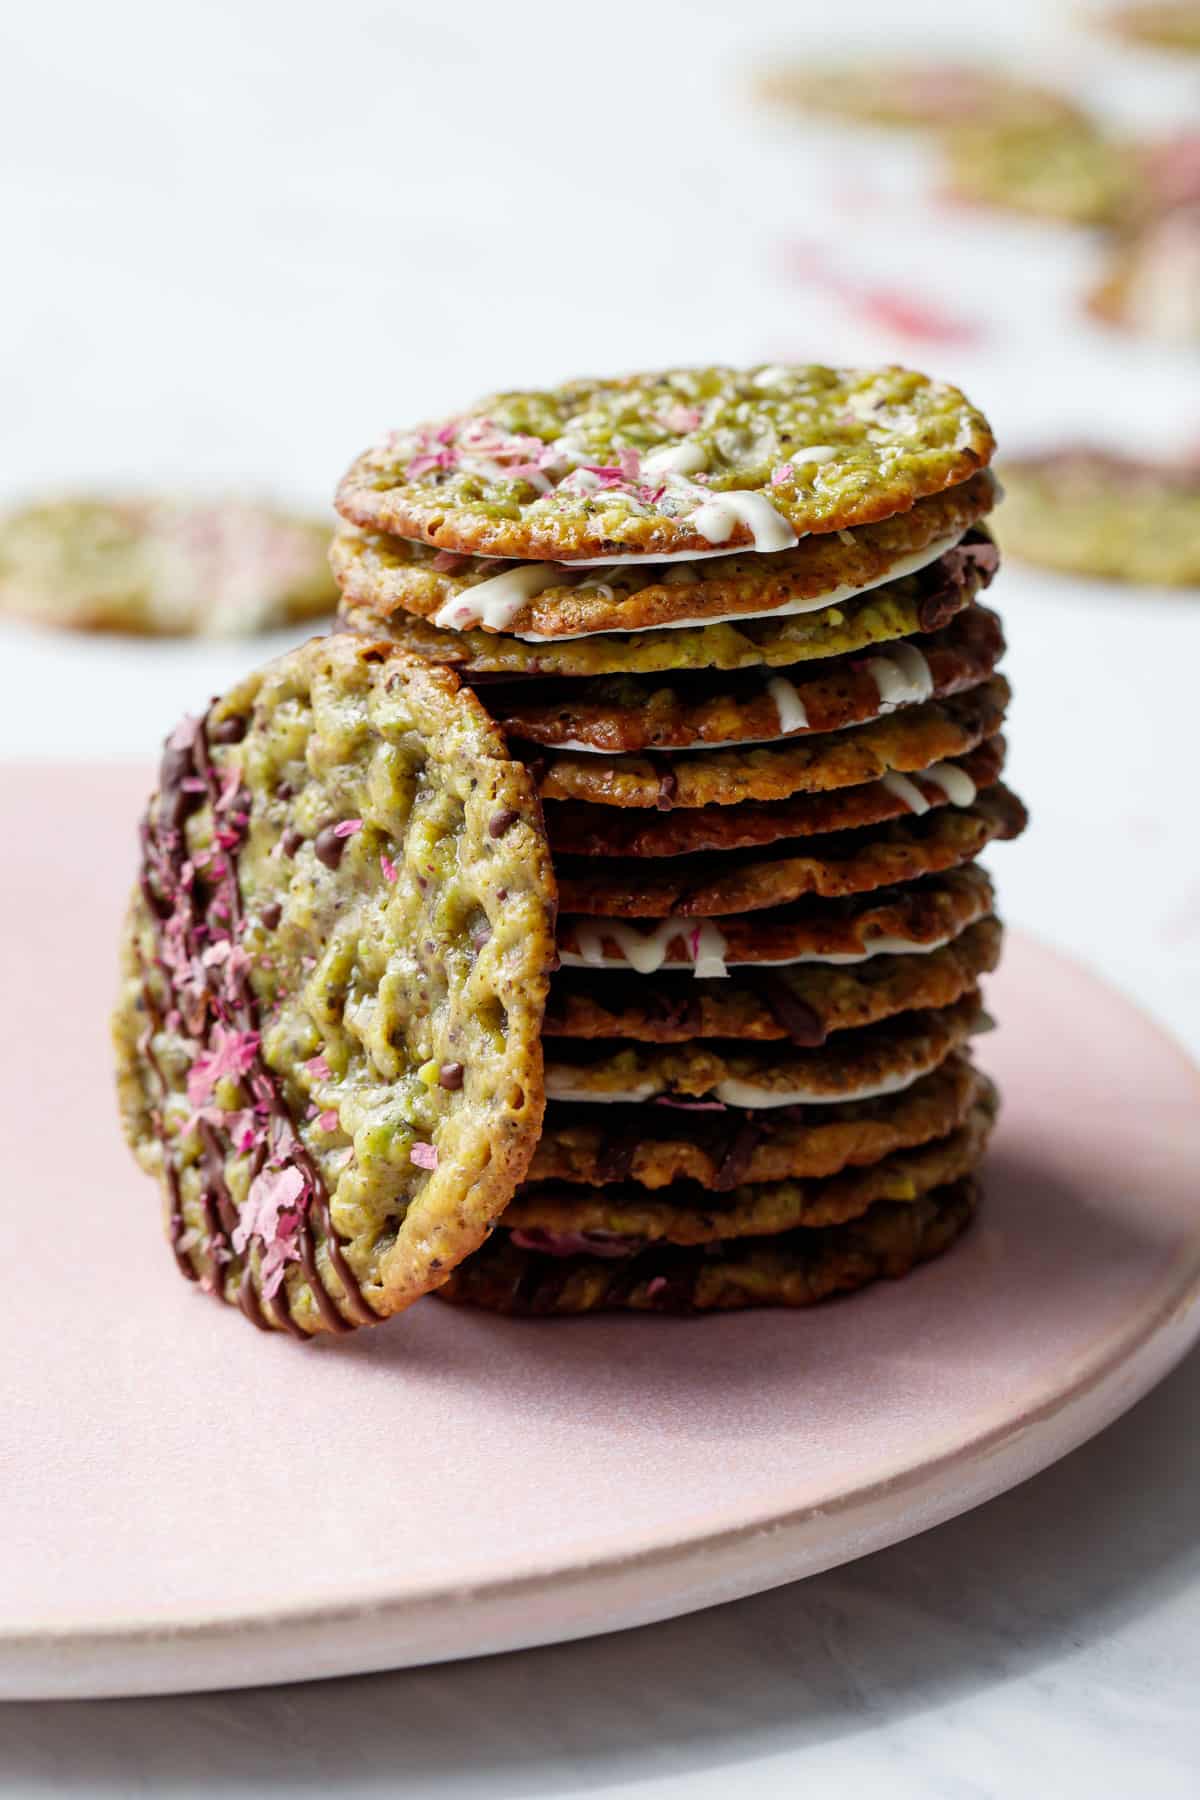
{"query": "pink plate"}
(187, 1504)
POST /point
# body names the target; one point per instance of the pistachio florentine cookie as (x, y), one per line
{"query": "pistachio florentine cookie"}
(681, 461)
(903, 921)
(879, 1059)
(577, 829)
(724, 1147)
(619, 713)
(853, 862)
(803, 1004)
(923, 601)
(917, 734)
(163, 565)
(632, 1217)
(334, 970)
(799, 1268)
(1090, 512)
(548, 601)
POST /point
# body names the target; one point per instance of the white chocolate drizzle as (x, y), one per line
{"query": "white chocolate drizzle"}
(650, 950)
(734, 1091)
(664, 570)
(716, 518)
(906, 791)
(647, 951)
(676, 459)
(954, 782)
(788, 704)
(902, 677)
(497, 601)
(560, 1086)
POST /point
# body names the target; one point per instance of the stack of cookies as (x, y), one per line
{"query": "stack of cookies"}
(731, 622)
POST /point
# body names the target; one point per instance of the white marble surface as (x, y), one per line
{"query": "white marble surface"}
(242, 239)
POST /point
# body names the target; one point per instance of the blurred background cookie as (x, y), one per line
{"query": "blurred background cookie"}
(1162, 24)
(1091, 512)
(915, 93)
(163, 566)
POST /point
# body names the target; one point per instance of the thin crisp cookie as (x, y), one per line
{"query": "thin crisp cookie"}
(908, 920)
(800, 1268)
(682, 461)
(722, 1148)
(544, 601)
(802, 1004)
(912, 738)
(739, 881)
(924, 601)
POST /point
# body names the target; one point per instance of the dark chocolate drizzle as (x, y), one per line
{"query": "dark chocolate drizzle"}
(614, 1157)
(207, 904)
(747, 1135)
(802, 1022)
(944, 582)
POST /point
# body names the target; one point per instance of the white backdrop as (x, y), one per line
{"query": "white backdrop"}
(240, 239)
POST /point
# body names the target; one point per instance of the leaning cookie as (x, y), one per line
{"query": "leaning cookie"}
(681, 462)
(163, 566)
(1092, 512)
(328, 1033)
(799, 1268)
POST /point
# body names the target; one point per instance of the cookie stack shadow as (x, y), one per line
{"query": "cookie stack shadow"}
(766, 778)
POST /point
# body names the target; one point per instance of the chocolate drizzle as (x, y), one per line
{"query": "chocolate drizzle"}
(197, 913)
(614, 1157)
(802, 1022)
(740, 1146)
(945, 582)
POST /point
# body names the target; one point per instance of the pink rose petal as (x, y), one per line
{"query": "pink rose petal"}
(691, 1105)
(682, 418)
(267, 1214)
(231, 1053)
(424, 1155)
